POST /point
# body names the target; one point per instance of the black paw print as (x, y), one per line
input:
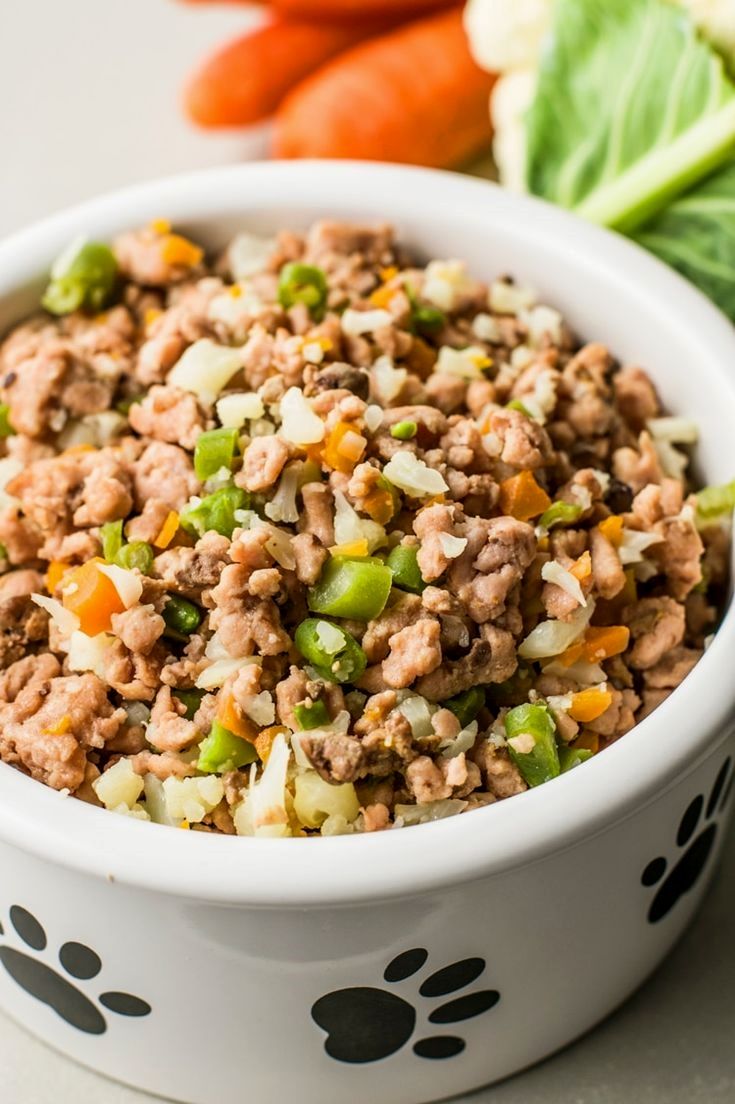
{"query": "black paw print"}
(365, 1024)
(692, 862)
(52, 988)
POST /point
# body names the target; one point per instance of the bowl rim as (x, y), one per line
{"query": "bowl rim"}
(383, 865)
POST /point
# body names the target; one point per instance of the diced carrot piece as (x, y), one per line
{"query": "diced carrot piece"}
(380, 506)
(160, 226)
(590, 704)
(168, 530)
(230, 717)
(177, 250)
(354, 548)
(581, 569)
(612, 529)
(344, 448)
(602, 643)
(589, 741)
(522, 498)
(264, 741)
(56, 571)
(382, 296)
(573, 653)
(93, 597)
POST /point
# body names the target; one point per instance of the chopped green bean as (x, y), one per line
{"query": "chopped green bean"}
(84, 276)
(191, 700)
(466, 706)
(571, 757)
(112, 539)
(215, 449)
(351, 588)
(333, 659)
(403, 563)
(313, 715)
(181, 616)
(136, 554)
(714, 502)
(404, 431)
(516, 404)
(514, 689)
(215, 512)
(223, 751)
(530, 730)
(301, 283)
(425, 320)
(560, 513)
(6, 430)
(3, 552)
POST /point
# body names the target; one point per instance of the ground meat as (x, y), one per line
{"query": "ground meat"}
(310, 555)
(607, 570)
(17, 584)
(168, 414)
(657, 625)
(637, 468)
(139, 628)
(318, 516)
(164, 472)
(404, 611)
(24, 672)
(335, 757)
(190, 571)
(246, 625)
(149, 524)
(263, 463)
(134, 676)
(146, 257)
(168, 765)
(22, 624)
(51, 724)
(490, 659)
(500, 775)
(636, 397)
(425, 781)
(517, 440)
(679, 555)
(169, 729)
(414, 651)
(672, 669)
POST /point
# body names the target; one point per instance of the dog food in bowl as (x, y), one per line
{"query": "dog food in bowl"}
(313, 540)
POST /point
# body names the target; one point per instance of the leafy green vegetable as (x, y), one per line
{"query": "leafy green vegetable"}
(696, 236)
(632, 108)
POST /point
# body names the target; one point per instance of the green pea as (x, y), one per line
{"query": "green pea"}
(301, 283)
(181, 616)
(404, 431)
(84, 276)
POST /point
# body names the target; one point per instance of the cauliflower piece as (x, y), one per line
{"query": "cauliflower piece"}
(716, 20)
(511, 98)
(507, 34)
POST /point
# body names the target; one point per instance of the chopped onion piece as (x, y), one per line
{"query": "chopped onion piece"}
(9, 468)
(430, 810)
(205, 368)
(462, 742)
(486, 328)
(88, 653)
(452, 547)
(278, 543)
(681, 431)
(155, 801)
(413, 476)
(356, 322)
(553, 572)
(350, 527)
(581, 672)
(373, 418)
(635, 543)
(466, 363)
(551, 638)
(128, 584)
(66, 621)
(418, 712)
(218, 672)
(505, 298)
(387, 380)
(542, 322)
(248, 254)
(446, 283)
(263, 811)
(234, 410)
(299, 423)
(673, 462)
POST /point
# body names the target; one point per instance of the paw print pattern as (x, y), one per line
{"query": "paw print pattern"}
(52, 988)
(365, 1024)
(698, 841)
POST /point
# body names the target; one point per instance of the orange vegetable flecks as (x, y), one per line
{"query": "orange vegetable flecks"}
(160, 226)
(354, 548)
(73, 450)
(603, 643)
(168, 530)
(59, 727)
(56, 571)
(92, 596)
(589, 741)
(588, 705)
(581, 569)
(230, 717)
(522, 498)
(612, 529)
(380, 506)
(382, 296)
(177, 250)
(344, 448)
(264, 740)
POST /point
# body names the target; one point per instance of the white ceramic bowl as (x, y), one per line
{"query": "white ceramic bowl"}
(527, 921)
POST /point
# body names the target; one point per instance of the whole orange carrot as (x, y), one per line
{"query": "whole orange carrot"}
(244, 81)
(414, 95)
(344, 11)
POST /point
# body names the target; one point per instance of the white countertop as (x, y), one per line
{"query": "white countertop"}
(88, 103)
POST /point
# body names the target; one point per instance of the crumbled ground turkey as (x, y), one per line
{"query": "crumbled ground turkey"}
(404, 407)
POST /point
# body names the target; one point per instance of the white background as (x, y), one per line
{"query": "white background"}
(88, 102)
